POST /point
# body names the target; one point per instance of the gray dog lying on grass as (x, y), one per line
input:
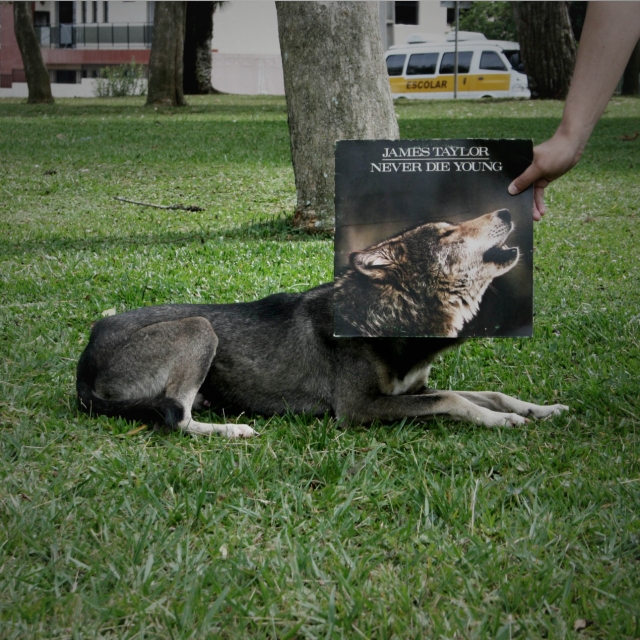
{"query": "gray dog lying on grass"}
(279, 354)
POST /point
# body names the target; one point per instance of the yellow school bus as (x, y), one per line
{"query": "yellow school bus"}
(426, 71)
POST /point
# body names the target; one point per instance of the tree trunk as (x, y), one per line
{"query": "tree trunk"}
(631, 77)
(166, 60)
(34, 68)
(547, 47)
(197, 48)
(337, 88)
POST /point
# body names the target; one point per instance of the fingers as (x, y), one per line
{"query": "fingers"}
(532, 175)
(540, 184)
(551, 159)
(539, 207)
(525, 179)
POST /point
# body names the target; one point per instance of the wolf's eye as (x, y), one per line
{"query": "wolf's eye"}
(448, 232)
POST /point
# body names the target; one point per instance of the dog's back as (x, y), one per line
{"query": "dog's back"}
(275, 354)
(272, 354)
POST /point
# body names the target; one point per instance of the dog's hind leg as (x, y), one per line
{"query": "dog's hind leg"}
(164, 365)
(185, 391)
(206, 428)
(496, 401)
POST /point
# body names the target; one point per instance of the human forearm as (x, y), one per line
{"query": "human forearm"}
(611, 30)
(610, 33)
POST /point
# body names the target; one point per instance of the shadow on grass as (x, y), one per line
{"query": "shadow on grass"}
(276, 229)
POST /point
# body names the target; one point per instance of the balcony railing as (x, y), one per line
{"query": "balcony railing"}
(94, 36)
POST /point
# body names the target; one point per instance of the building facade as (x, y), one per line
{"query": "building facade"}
(79, 38)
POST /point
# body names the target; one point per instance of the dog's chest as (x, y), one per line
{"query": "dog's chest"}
(416, 380)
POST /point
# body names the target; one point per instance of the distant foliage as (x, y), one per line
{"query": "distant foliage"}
(121, 80)
(494, 19)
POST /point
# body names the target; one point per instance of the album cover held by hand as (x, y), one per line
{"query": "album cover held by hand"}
(428, 241)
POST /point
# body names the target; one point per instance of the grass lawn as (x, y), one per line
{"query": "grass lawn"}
(436, 530)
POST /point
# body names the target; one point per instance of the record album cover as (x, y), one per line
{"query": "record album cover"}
(428, 241)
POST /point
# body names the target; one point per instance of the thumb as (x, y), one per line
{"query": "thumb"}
(525, 180)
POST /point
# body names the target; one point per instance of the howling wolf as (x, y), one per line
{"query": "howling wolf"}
(427, 281)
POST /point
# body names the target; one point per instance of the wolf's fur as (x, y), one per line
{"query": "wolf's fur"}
(279, 354)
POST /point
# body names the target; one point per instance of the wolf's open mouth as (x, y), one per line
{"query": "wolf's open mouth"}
(500, 255)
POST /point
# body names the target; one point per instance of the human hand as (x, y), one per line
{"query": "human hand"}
(551, 159)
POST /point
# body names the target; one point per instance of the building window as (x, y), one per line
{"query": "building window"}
(94, 12)
(42, 26)
(105, 12)
(451, 11)
(41, 19)
(66, 12)
(83, 9)
(406, 12)
(66, 76)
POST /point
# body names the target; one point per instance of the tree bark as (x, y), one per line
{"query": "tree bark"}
(197, 47)
(337, 88)
(631, 77)
(166, 59)
(547, 47)
(35, 70)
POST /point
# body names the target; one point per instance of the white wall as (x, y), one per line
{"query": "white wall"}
(246, 27)
(246, 48)
(248, 74)
(86, 89)
(123, 11)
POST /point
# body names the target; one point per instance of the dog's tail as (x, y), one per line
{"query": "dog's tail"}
(156, 409)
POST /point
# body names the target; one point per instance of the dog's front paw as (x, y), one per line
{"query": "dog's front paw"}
(546, 411)
(558, 408)
(514, 420)
(239, 431)
(509, 420)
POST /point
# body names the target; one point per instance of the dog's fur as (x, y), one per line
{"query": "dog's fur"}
(428, 281)
(279, 354)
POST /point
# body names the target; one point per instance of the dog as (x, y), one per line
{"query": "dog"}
(279, 354)
(428, 281)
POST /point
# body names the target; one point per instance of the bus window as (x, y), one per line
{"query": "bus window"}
(492, 61)
(422, 63)
(395, 64)
(464, 62)
(513, 56)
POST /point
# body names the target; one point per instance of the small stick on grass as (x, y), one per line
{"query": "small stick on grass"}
(473, 505)
(183, 207)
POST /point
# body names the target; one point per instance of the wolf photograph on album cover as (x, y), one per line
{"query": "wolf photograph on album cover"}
(428, 241)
